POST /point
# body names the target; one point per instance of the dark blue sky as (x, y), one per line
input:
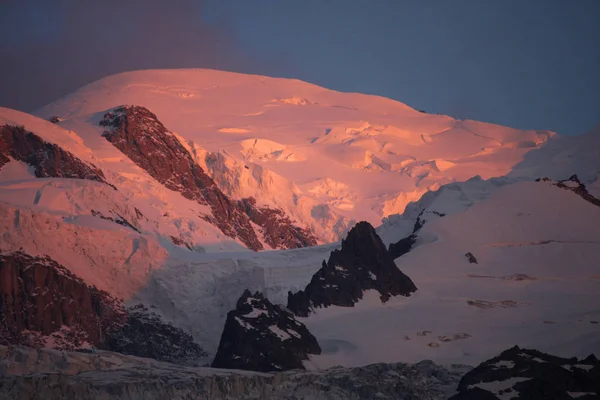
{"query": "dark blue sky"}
(522, 63)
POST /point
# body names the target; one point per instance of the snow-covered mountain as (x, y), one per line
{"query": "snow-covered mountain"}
(154, 186)
(518, 267)
(328, 159)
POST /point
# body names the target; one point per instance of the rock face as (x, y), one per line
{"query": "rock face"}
(48, 159)
(51, 375)
(41, 302)
(138, 133)
(276, 228)
(260, 336)
(530, 374)
(362, 264)
(574, 185)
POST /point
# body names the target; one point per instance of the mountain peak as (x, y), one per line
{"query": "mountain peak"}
(260, 336)
(362, 239)
(363, 263)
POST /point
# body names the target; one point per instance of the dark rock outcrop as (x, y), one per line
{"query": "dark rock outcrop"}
(144, 334)
(363, 263)
(42, 304)
(260, 336)
(39, 298)
(119, 219)
(276, 228)
(406, 244)
(574, 185)
(530, 374)
(138, 133)
(471, 258)
(48, 159)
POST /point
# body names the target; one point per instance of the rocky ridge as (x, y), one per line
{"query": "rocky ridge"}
(42, 303)
(260, 336)
(138, 134)
(574, 185)
(363, 263)
(47, 159)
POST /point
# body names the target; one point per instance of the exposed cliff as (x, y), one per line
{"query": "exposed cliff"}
(42, 303)
(138, 134)
(47, 159)
(363, 263)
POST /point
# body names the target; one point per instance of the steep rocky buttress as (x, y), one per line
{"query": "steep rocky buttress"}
(42, 301)
(43, 304)
(138, 133)
(48, 159)
(260, 336)
(277, 229)
(363, 263)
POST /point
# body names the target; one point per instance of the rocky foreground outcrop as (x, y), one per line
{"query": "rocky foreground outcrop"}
(530, 374)
(138, 134)
(260, 336)
(363, 263)
(48, 159)
(51, 375)
(43, 304)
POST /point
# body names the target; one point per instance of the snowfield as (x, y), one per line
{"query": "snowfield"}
(536, 284)
(328, 159)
